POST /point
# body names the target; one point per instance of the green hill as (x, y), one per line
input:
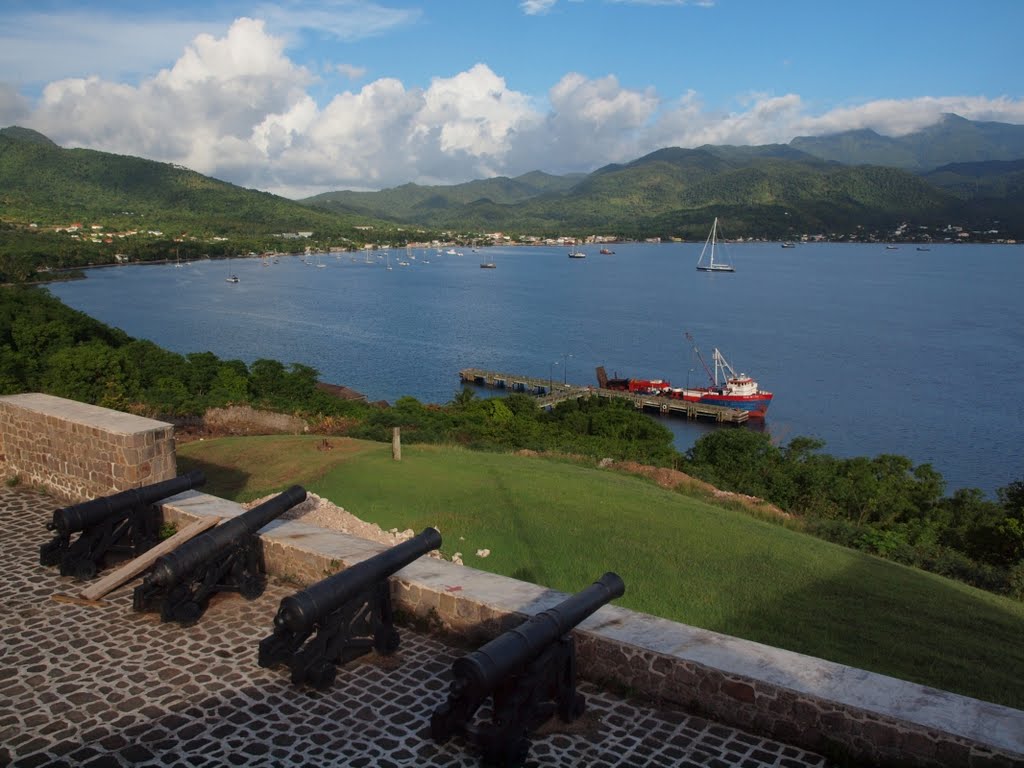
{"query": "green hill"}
(560, 524)
(953, 139)
(989, 179)
(44, 183)
(772, 191)
(412, 202)
(26, 134)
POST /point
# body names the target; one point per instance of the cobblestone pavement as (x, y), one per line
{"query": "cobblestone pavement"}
(105, 686)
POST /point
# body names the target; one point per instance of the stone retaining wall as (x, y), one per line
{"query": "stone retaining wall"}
(78, 451)
(855, 716)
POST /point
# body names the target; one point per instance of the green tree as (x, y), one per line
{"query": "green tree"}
(229, 387)
(267, 379)
(200, 373)
(1011, 527)
(92, 373)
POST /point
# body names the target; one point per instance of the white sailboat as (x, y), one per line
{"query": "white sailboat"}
(709, 249)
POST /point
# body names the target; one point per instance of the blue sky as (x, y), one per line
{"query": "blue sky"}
(303, 96)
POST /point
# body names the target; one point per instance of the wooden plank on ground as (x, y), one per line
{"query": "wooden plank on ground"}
(146, 559)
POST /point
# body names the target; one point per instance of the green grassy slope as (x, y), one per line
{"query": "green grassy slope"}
(562, 524)
(44, 183)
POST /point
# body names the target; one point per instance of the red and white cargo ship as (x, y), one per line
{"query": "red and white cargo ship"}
(726, 387)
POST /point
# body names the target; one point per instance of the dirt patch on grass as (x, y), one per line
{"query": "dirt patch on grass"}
(673, 479)
(323, 513)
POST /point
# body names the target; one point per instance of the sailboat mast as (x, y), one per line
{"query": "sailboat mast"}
(714, 240)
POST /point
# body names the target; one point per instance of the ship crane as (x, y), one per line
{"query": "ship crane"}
(712, 377)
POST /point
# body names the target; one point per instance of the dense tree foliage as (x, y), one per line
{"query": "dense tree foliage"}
(884, 505)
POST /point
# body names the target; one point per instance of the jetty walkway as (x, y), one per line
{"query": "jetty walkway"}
(549, 392)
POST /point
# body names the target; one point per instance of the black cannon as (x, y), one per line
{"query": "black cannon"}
(349, 611)
(226, 558)
(125, 523)
(529, 672)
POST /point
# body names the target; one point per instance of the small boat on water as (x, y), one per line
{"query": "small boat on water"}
(488, 265)
(788, 244)
(725, 388)
(576, 253)
(892, 247)
(606, 251)
(232, 278)
(923, 248)
(710, 250)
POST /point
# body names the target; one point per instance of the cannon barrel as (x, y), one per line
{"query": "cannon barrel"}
(79, 517)
(173, 566)
(299, 613)
(485, 668)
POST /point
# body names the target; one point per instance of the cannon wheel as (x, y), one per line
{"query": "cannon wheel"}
(83, 570)
(321, 676)
(386, 640)
(578, 706)
(187, 612)
(251, 588)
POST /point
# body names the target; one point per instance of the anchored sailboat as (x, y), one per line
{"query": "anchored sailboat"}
(711, 264)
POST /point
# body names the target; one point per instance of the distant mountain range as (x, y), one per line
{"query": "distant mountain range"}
(953, 139)
(772, 191)
(958, 171)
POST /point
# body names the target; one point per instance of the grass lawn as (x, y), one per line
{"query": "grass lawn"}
(562, 524)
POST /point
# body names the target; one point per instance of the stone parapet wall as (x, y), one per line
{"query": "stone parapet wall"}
(858, 717)
(77, 451)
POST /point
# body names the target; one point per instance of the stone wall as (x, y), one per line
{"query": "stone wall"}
(855, 716)
(77, 451)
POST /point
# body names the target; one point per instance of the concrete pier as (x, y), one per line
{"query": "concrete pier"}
(550, 392)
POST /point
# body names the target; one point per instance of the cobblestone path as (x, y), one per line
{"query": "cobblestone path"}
(105, 686)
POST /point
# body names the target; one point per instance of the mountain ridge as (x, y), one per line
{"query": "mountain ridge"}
(772, 191)
(952, 139)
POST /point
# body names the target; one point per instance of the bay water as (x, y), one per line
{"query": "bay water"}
(872, 350)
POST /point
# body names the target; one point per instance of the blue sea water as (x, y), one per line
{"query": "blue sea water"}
(919, 353)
